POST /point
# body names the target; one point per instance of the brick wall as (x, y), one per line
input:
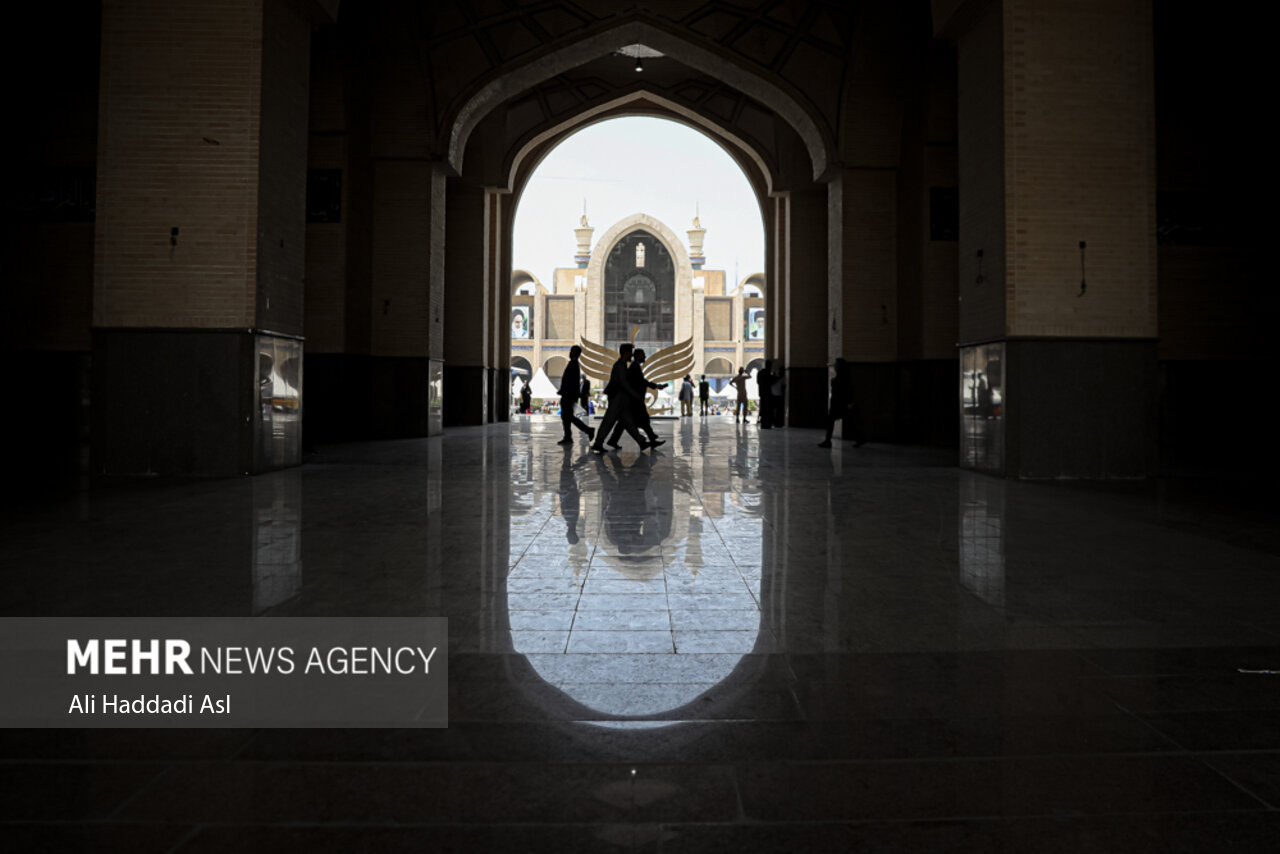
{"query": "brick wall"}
(980, 157)
(1080, 165)
(466, 328)
(178, 146)
(47, 240)
(864, 245)
(282, 169)
(325, 306)
(806, 308)
(408, 259)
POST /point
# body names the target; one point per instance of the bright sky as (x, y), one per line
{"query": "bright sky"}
(638, 165)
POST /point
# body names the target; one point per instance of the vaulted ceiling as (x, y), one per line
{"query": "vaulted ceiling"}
(767, 73)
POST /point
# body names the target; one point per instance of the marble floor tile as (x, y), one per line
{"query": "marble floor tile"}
(740, 643)
(625, 620)
(623, 640)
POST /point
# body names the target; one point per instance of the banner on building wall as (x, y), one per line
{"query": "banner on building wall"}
(755, 324)
(522, 321)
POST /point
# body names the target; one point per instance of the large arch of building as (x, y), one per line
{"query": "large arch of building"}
(324, 237)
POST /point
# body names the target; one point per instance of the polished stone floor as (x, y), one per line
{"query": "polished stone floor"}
(740, 642)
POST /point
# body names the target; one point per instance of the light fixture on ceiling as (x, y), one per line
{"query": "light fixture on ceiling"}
(639, 53)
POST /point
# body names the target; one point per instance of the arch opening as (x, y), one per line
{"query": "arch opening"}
(644, 279)
(670, 250)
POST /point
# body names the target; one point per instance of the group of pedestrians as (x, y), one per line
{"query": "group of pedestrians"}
(627, 411)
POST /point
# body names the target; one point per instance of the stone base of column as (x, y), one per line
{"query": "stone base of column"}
(407, 397)
(48, 393)
(908, 402)
(355, 397)
(467, 401)
(499, 396)
(195, 402)
(1083, 409)
(338, 398)
(807, 392)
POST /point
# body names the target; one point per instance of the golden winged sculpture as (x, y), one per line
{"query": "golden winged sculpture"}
(668, 364)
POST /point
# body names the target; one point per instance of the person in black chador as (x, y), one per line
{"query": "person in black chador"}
(526, 398)
(764, 381)
(639, 412)
(843, 407)
(704, 395)
(621, 396)
(570, 392)
(779, 396)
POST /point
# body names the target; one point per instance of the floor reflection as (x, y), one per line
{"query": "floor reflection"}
(982, 538)
(277, 539)
(742, 643)
(627, 557)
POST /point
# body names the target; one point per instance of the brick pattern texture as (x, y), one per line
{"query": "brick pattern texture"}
(182, 145)
(178, 146)
(863, 252)
(1079, 165)
(980, 155)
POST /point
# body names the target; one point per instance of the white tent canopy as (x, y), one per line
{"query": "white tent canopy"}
(541, 386)
(730, 391)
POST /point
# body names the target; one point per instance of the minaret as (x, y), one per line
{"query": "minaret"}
(583, 233)
(696, 234)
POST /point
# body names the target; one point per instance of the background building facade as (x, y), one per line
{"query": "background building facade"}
(640, 277)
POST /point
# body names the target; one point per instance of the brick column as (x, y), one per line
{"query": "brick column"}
(862, 290)
(468, 324)
(1056, 146)
(806, 318)
(407, 323)
(775, 333)
(199, 238)
(501, 219)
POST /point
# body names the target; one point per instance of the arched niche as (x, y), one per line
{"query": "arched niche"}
(554, 368)
(718, 368)
(623, 237)
(524, 283)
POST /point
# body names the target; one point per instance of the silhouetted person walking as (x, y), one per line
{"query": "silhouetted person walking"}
(704, 395)
(843, 406)
(740, 383)
(570, 393)
(637, 381)
(620, 396)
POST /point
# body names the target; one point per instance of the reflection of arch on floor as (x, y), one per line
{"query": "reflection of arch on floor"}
(554, 369)
(719, 368)
(520, 365)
